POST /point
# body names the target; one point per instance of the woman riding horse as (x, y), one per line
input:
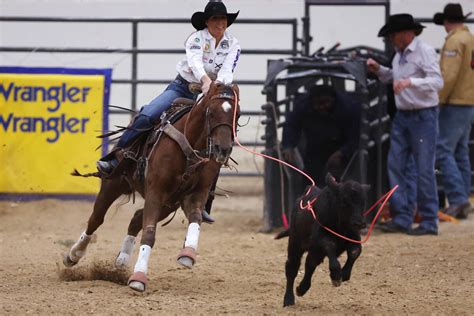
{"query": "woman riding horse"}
(177, 176)
(211, 54)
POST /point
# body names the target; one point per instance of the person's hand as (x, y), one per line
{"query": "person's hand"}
(289, 155)
(335, 160)
(206, 84)
(373, 66)
(399, 85)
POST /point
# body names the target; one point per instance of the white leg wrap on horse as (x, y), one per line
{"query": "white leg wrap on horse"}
(78, 250)
(142, 261)
(192, 237)
(126, 251)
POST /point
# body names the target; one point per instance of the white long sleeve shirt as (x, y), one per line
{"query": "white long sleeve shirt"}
(203, 57)
(419, 63)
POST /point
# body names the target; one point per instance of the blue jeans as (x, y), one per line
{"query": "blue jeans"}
(413, 136)
(411, 174)
(452, 152)
(150, 113)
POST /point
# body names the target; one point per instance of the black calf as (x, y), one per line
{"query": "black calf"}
(339, 206)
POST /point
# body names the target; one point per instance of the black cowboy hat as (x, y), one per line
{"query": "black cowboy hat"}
(213, 8)
(452, 12)
(400, 22)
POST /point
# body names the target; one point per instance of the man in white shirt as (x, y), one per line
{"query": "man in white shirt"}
(416, 79)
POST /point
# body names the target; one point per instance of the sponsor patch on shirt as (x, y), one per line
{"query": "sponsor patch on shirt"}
(225, 44)
(197, 39)
(195, 47)
(206, 47)
(450, 53)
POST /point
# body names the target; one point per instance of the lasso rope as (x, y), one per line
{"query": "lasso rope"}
(309, 206)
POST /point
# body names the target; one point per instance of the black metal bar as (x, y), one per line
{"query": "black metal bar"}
(253, 144)
(294, 31)
(348, 2)
(240, 174)
(306, 31)
(131, 50)
(136, 20)
(134, 64)
(252, 113)
(166, 81)
(388, 47)
(430, 20)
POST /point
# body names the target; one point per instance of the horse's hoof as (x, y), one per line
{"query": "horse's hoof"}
(187, 257)
(138, 281)
(186, 262)
(300, 291)
(336, 283)
(67, 261)
(137, 286)
(122, 260)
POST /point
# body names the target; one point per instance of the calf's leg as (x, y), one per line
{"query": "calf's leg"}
(353, 252)
(334, 270)
(312, 261)
(334, 265)
(295, 252)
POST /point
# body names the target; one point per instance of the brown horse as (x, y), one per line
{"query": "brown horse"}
(176, 175)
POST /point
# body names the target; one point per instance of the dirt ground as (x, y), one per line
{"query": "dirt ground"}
(239, 270)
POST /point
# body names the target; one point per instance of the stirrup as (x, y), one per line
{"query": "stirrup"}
(106, 167)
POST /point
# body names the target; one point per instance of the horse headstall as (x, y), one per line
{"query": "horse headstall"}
(223, 95)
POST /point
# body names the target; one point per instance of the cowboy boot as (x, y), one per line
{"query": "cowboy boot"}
(206, 218)
(107, 167)
(139, 125)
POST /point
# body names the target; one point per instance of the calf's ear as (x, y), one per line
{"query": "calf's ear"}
(366, 187)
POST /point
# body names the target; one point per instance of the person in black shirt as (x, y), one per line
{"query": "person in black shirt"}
(329, 122)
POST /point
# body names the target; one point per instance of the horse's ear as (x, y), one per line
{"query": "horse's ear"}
(212, 87)
(235, 87)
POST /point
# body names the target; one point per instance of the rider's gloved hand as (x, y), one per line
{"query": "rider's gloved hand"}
(206, 83)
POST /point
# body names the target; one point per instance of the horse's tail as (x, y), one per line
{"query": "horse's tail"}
(76, 173)
(282, 234)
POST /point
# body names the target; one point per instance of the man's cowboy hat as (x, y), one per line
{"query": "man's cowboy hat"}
(452, 12)
(198, 20)
(400, 22)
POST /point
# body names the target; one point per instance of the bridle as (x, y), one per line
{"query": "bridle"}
(225, 95)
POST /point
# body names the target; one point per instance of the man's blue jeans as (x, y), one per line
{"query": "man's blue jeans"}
(452, 152)
(413, 136)
(150, 113)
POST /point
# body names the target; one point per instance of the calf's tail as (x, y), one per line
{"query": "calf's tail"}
(282, 234)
